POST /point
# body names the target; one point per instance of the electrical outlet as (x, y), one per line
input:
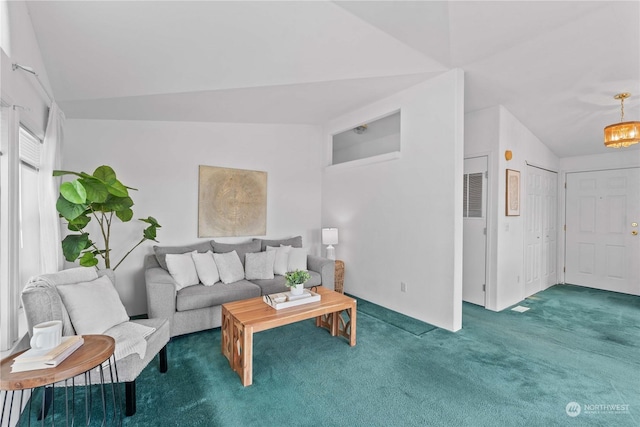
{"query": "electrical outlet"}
(403, 287)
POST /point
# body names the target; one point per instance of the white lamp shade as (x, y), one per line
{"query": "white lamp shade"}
(329, 236)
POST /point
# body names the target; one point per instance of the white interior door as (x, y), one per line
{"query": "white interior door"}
(540, 230)
(602, 216)
(474, 230)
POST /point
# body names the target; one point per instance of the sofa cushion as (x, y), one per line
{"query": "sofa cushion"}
(259, 265)
(272, 286)
(162, 251)
(229, 267)
(182, 269)
(201, 296)
(277, 284)
(295, 242)
(240, 248)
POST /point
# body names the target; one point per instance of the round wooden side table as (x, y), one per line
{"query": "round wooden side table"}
(95, 350)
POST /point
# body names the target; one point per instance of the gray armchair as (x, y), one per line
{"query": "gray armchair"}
(42, 301)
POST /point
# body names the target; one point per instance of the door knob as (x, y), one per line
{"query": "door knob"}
(634, 232)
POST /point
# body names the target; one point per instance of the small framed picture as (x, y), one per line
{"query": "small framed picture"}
(513, 193)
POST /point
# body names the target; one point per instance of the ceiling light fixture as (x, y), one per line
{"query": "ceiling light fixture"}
(622, 134)
(360, 129)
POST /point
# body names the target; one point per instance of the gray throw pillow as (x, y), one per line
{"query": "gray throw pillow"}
(229, 267)
(93, 306)
(294, 242)
(162, 251)
(259, 265)
(240, 248)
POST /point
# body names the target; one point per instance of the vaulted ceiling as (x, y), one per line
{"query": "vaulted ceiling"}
(555, 65)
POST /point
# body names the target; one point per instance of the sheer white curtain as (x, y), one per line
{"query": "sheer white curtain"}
(51, 159)
(9, 225)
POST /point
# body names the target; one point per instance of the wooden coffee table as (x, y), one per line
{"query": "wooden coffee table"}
(240, 319)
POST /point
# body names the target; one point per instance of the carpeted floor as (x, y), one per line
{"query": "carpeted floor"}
(406, 323)
(502, 369)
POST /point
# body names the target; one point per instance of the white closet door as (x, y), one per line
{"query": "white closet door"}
(540, 230)
(550, 230)
(602, 216)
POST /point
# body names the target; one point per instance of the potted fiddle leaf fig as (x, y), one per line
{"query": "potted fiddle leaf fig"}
(103, 198)
(296, 280)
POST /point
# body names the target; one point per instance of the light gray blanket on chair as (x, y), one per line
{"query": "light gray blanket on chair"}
(130, 339)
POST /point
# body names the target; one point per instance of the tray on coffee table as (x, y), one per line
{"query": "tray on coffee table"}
(282, 300)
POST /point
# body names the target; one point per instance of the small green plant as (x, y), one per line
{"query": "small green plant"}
(99, 196)
(297, 277)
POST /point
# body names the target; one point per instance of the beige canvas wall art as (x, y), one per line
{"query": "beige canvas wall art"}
(513, 193)
(231, 202)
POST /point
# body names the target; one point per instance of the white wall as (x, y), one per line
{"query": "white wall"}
(482, 138)
(401, 220)
(161, 160)
(616, 159)
(526, 149)
(491, 132)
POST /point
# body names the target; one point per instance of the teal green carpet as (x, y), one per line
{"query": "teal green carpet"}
(502, 369)
(406, 323)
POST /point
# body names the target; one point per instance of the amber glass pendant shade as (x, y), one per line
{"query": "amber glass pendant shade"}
(623, 134)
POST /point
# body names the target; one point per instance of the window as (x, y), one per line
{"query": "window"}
(29, 213)
(375, 138)
(20, 163)
(472, 199)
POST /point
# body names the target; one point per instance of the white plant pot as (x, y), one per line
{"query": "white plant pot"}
(297, 290)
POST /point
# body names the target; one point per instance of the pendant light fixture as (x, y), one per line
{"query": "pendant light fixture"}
(622, 134)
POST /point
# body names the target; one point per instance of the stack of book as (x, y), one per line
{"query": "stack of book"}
(285, 299)
(48, 358)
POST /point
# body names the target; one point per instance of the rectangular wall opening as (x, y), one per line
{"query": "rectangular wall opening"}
(372, 139)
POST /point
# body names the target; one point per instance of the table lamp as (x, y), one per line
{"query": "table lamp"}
(330, 237)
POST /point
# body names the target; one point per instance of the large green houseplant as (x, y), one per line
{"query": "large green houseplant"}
(99, 196)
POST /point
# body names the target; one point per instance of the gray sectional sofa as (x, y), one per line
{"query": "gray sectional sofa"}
(199, 307)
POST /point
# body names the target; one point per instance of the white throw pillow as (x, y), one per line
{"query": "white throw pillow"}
(94, 306)
(281, 261)
(259, 265)
(182, 269)
(297, 259)
(229, 267)
(206, 268)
